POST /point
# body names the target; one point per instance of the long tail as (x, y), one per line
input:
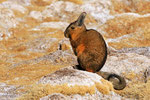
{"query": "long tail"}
(118, 83)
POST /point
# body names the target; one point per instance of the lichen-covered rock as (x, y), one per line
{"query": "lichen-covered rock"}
(73, 84)
(71, 77)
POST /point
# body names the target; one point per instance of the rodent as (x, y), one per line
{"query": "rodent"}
(90, 48)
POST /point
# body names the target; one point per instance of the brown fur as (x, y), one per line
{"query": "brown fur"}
(88, 45)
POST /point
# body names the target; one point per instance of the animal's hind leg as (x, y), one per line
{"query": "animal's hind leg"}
(78, 66)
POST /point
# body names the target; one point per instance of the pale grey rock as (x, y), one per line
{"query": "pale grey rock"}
(8, 92)
(126, 62)
(41, 44)
(141, 51)
(71, 77)
(22, 2)
(8, 19)
(55, 96)
(56, 58)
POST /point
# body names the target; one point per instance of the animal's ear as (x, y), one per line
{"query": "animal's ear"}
(80, 19)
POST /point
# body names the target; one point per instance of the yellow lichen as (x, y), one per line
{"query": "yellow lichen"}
(105, 87)
(41, 2)
(41, 90)
(130, 75)
(19, 14)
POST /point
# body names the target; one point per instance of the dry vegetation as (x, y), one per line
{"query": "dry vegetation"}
(137, 90)
(126, 6)
(41, 90)
(76, 1)
(16, 49)
(137, 30)
(27, 74)
(2, 1)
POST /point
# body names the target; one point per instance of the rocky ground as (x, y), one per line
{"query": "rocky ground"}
(36, 59)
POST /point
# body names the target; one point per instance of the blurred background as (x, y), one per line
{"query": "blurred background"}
(32, 42)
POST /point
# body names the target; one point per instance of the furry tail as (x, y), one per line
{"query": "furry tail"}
(119, 82)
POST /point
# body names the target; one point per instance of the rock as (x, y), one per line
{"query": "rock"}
(64, 45)
(8, 92)
(141, 51)
(56, 96)
(126, 63)
(70, 76)
(147, 74)
(74, 78)
(43, 44)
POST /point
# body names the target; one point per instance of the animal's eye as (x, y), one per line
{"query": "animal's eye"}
(72, 27)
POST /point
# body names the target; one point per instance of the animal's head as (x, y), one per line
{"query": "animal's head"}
(76, 27)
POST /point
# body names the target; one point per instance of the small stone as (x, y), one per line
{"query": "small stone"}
(147, 74)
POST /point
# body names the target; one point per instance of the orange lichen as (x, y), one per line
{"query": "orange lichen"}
(39, 5)
(1, 1)
(58, 34)
(76, 1)
(20, 48)
(50, 19)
